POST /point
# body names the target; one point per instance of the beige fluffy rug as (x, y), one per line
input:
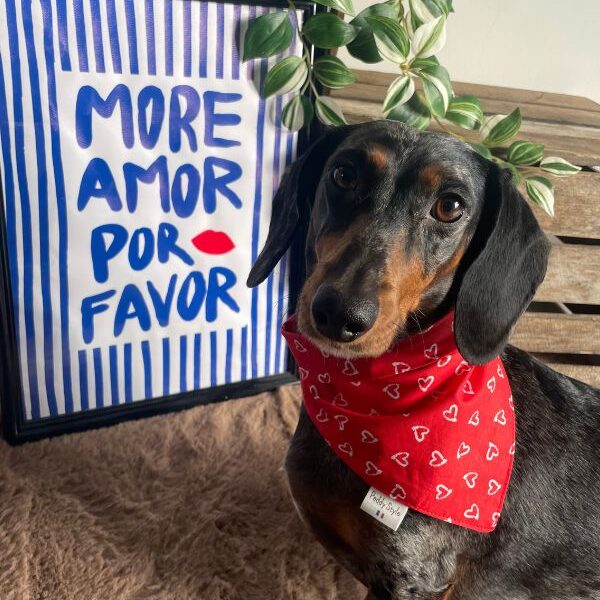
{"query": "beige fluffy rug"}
(186, 506)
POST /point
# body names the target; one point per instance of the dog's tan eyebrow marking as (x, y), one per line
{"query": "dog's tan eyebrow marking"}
(431, 176)
(378, 157)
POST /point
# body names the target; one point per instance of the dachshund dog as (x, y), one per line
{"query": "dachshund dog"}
(404, 226)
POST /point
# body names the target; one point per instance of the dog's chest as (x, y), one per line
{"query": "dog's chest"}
(419, 559)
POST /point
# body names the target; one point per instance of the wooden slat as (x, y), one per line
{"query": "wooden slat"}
(579, 145)
(572, 275)
(577, 197)
(557, 333)
(552, 113)
(576, 209)
(585, 373)
(495, 92)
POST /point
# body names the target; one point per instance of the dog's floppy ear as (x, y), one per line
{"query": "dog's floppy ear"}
(508, 258)
(293, 201)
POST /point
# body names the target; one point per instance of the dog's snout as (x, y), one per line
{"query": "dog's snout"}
(342, 318)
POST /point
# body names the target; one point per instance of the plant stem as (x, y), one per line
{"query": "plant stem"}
(305, 52)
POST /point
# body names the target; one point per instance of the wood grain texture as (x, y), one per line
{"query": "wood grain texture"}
(577, 207)
(553, 113)
(572, 275)
(495, 92)
(558, 333)
(577, 144)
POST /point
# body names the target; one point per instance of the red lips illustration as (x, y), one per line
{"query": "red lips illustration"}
(213, 242)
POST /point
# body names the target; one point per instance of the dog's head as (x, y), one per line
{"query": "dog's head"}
(402, 225)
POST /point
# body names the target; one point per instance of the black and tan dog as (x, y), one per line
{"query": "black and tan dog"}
(402, 226)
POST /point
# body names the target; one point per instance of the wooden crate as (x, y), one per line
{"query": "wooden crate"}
(563, 325)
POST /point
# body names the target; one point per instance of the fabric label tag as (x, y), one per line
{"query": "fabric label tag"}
(384, 509)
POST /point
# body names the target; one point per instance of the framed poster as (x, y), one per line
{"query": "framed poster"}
(138, 167)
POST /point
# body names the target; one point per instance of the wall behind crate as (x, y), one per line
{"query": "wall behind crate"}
(545, 45)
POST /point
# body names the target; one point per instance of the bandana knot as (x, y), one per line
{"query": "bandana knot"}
(417, 423)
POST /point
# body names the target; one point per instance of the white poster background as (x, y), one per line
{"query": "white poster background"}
(53, 50)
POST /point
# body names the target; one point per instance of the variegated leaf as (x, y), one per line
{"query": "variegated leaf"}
(541, 191)
(500, 128)
(437, 88)
(332, 72)
(423, 11)
(391, 38)
(429, 38)
(399, 92)
(328, 111)
(344, 6)
(414, 113)
(363, 46)
(285, 76)
(558, 166)
(465, 111)
(420, 12)
(481, 150)
(297, 113)
(524, 153)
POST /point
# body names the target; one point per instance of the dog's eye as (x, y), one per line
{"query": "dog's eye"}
(448, 209)
(345, 177)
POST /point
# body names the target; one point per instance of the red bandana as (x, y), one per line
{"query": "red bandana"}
(418, 423)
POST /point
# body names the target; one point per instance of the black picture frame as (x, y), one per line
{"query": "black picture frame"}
(17, 430)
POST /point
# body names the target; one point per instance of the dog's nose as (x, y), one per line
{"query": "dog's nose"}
(341, 318)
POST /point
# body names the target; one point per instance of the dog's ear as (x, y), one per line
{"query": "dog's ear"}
(293, 201)
(508, 257)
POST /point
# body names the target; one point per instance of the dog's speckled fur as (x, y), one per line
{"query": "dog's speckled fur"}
(380, 242)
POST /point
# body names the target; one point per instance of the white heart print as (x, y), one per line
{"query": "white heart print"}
(432, 352)
(397, 492)
(299, 346)
(372, 469)
(314, 392)
(493, 487)
(474, 420)
(492, 451)
(463, 367)
(401, 458)
(392, 390)
(495, 518)
(463, 450)
(339, 400)
(500, 417)
(349, 368)
(366, 437)
(304, 373)
(437, 459)
(420, 432)
(400, 367)
(470, 479)
(322, 416)
(473, 512)
(442, 492)
(341, 421)
(442, 362)
(324, 377)
(491, 384)
(347, 448)
(468, 388)
(451, 413)
(425, 382)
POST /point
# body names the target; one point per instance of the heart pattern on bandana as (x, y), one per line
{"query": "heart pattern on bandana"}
(419, 423)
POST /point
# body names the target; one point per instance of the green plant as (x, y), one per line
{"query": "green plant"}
(408, 34)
